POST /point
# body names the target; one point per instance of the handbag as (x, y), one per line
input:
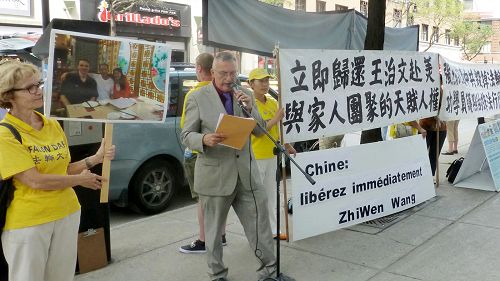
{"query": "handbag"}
(7, 186)
(452, 171)
(403, 130)
(6, 195)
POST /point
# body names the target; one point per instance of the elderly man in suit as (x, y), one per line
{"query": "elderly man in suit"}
(226, 177)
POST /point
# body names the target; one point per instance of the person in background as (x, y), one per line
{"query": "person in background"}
(39, 238)
(225, 177)
(203, 74)
(452, 134)
(406, 129)
(79, 87)
(434, 126)
(330, 142)
(262, 146)
(104, 82)
(121, 87)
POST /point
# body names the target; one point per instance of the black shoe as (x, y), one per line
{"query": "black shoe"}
(196, 247)
(224, 241)
(449, 153)
(455, 151)
(220, 279)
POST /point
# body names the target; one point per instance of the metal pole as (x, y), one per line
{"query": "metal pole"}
(45, 13)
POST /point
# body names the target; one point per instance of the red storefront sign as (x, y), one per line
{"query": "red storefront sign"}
(104, 15)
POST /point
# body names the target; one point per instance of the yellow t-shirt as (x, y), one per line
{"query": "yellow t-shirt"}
(262, 146)
(199, 85)
(183, 116)
(47, 151)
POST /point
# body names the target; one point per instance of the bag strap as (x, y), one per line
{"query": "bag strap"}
(13, 130)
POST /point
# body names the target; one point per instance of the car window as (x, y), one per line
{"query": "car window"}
(173, 97)
(188, 83)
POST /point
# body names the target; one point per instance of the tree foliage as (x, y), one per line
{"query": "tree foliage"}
(443, 14)
(473, 37)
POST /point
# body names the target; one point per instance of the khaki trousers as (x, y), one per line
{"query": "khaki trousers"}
(254, 217)
(267, 169)
(45, 252)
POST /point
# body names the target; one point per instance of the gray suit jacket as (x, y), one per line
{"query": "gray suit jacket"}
(217, 168)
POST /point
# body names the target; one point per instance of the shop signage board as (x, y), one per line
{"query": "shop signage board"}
(146, 18)
(16, 8)
(142, 14)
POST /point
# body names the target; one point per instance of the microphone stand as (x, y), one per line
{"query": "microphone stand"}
(279, 150)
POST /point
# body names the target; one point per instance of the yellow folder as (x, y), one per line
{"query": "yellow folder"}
(236, 129)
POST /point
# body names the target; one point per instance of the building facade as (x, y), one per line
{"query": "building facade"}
(487, 13)
(158, 21)
(179, 23)
(399, 13)
(23, 17)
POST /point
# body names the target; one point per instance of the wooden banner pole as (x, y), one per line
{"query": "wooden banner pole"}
(437, 152)
(106, 163)
(283, 171)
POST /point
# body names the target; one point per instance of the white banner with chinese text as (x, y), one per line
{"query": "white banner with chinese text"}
(332, 92)
(469, 90)
(359, 183)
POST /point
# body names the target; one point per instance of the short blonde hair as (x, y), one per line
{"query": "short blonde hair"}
(205, 60)
(12, 74)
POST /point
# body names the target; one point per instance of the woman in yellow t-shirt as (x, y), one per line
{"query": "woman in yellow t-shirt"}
(39, 238)
(262, 146)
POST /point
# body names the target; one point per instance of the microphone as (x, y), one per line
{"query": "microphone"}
(241, 104)
(236, 87)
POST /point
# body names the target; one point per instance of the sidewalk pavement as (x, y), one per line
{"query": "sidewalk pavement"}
(451, 237)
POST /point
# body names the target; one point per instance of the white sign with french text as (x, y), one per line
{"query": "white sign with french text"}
(359, 183)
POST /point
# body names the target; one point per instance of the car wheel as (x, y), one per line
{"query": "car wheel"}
(153, 186)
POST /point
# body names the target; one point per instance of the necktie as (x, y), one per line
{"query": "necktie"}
(228, 103)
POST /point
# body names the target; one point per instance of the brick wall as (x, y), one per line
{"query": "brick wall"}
(495, 39)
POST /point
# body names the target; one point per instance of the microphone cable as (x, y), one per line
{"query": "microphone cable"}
(257, 251)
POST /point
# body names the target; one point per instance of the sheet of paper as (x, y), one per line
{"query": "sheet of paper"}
(236, 129)
(122, 103)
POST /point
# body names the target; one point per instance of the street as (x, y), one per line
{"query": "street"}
(120, 216)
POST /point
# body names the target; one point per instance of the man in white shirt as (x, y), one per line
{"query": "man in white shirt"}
(104, 82)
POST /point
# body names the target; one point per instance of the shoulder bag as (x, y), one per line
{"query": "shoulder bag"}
(7, 186)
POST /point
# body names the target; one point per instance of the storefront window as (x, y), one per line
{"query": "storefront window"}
(267, 63)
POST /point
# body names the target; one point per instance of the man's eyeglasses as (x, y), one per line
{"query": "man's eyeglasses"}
(32, 89)
(232, 74)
